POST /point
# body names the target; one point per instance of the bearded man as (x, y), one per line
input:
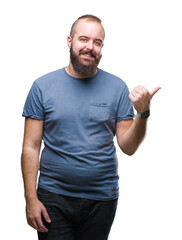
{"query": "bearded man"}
(77, 111)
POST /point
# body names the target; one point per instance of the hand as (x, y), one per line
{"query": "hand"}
(34, 210)
(140, 97)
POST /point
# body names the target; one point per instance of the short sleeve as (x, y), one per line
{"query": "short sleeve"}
(33, 107)
(125, 108)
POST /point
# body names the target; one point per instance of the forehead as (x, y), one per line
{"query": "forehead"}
(89, 28)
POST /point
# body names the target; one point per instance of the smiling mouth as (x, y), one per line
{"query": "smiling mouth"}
(88, 54)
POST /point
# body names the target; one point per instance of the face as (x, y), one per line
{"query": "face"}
(85, 47)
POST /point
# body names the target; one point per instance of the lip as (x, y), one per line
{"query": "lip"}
(87, 56)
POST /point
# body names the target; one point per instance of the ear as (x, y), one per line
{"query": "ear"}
(69, 41)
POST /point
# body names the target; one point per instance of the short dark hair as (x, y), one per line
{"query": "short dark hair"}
(90, 17)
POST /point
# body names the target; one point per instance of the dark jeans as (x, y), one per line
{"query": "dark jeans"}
(76, 218)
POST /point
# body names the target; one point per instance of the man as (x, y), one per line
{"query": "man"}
(77, 111)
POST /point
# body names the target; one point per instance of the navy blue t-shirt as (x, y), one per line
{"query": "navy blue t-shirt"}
(79, 158)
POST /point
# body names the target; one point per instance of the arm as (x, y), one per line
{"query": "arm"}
(30, 162)
(130, 133)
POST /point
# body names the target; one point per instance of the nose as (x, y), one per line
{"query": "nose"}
(90, 45)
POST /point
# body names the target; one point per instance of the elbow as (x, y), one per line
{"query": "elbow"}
(128, 151)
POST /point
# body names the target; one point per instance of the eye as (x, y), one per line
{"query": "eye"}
(98, 43)
(83, 39)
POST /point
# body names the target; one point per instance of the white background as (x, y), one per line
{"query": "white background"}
(143, 46)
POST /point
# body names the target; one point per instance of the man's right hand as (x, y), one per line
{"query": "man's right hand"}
(35, 210)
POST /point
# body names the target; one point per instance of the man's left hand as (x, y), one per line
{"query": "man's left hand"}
(140, 97)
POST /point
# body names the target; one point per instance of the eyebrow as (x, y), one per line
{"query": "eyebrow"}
(88, 37)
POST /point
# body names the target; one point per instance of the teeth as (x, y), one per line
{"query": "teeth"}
(87, 55)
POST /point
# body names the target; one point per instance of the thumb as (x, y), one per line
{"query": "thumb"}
(153, 92)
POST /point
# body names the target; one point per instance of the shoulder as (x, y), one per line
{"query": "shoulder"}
(48, 79)
(111, 79)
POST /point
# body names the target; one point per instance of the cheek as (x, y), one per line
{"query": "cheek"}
(98, 51)
(77, 47)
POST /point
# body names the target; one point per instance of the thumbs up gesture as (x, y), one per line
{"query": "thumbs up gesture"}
(140, 97)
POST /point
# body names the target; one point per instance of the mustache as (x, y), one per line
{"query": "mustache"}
(92, 54)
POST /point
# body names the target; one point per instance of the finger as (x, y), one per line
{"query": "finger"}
(33, 223)
(135, 94)
(140, 89)
(45, 215)
(41, 227)
(132, 98)
(153, 92)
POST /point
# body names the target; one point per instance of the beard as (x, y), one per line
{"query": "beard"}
(84, 71)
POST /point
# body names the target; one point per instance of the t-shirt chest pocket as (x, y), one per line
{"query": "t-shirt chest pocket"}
(99, 112)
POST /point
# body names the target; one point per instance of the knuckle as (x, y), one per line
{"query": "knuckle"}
(138, 97)
(30, 218)
(141, 95)
(42, 228)
(36, 217)
(145, 92)
(29, 221)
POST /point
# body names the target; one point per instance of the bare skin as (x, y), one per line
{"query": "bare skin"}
(30, 162)
(89, 36)
(129, 133)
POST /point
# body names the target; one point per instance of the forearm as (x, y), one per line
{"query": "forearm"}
(30, 164)
(131, 139)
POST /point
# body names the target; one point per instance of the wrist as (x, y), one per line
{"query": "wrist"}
(144, 115)
(31, 196)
